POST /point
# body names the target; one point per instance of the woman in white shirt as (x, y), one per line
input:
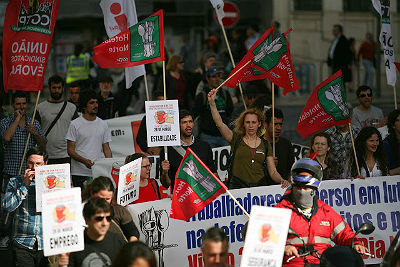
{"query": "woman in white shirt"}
(370, 154)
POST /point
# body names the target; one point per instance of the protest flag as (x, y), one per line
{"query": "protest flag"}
(397, 64)
(269, 58)
(195, 187)
(385, 37)
(218, 5)
(142, 43)
(119, 15)
(27, 33)
(325, 108)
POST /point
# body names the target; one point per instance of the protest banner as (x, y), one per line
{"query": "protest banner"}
(62, 222)
(383, 9)
(195, 187)
(27, 33)
(142, 43)
(119, 15)
(267, 230)
(162, 122)
(270, 58)
(128, 185)
(375, 200)
(326, 107)
(50, 178)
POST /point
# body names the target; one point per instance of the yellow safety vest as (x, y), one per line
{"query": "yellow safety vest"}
(78, 68)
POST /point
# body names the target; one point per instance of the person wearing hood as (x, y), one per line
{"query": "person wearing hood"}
(315, 222)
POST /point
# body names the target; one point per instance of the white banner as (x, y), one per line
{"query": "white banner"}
(267, 229)
(375, 200)
(50, 178)
(162, 122)
(62, 222)
(123, 134)
(128, 185)
(383, 9)
(119, 15)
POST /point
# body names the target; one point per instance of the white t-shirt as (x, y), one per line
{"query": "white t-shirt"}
(374, 173)
(89, 136)
(56, 143)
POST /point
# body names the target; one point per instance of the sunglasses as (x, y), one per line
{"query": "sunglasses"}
(101, 218)
(364, 95)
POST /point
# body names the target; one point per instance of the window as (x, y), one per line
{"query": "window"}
(357, 5)
(307, 5)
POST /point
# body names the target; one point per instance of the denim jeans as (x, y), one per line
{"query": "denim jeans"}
(213, 141)
(368, 73)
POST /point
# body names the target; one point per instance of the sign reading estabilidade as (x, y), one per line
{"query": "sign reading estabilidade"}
(62, 222)
(162, 121)
(50, 178)
(128, 184)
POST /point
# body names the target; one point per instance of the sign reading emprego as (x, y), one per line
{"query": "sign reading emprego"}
(50, 178)
(62, 222)
(128, 185)
(375, 200)
(162, 121)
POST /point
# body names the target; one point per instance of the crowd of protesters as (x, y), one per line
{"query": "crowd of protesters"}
(74, 131)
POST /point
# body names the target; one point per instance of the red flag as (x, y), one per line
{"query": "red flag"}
(28, 30)
(142, 43)
(195, 187)
(325, 108)
(270, 58)
(397, 66)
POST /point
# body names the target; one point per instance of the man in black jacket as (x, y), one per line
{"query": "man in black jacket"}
(339, 54)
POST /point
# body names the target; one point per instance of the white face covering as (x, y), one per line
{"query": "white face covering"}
(303, 199)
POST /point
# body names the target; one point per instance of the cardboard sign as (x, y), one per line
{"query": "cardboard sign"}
(162, 122)
(62, 222)
(128, 184)
(266, 236)
(50, 178)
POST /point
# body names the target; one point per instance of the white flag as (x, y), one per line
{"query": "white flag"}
(119, 15)
(383, 8)
(219, 9)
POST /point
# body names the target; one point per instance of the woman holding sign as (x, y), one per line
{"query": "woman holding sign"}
(252, 162)
(148, 187)
(370, 155)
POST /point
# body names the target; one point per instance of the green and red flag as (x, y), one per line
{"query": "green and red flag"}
(270, 58)
(397, 64)
(325, 108)
(195, 187)
(141, 43)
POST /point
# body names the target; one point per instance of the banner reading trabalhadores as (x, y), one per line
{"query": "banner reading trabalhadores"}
(177, 243)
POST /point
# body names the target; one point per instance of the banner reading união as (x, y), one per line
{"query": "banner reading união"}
(27, 33)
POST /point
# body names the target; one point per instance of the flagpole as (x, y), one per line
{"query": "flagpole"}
(273, 120)
(354, 149)
(165, 98)
(230, 77)
(29, 134)
(395, 97)
(146, 87)
(218, 181)
(233, 62)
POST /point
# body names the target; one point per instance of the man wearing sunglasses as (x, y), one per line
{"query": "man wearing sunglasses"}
(101, 245)
(365, 114)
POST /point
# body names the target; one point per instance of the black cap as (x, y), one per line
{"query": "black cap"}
(212, 71)
(105, 78)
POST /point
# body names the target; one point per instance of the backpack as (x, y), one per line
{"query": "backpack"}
(232, 157)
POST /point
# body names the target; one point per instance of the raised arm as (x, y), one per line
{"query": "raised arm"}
(222, 127)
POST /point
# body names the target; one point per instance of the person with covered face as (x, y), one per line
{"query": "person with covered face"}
(313, 220)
